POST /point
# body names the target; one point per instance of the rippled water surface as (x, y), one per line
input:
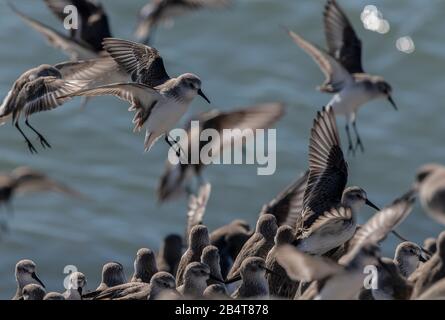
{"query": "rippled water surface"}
(243, 57)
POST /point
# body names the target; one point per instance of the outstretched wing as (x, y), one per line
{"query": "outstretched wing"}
(336, 75)
(328, 170)
(142, 63)
(341, 38)
(197, 206)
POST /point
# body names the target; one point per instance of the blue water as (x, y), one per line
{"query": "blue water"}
(243, 57)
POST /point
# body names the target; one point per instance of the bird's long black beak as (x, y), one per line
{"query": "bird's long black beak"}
(203, 95)
(34, 276)
(372, 205)
(79, 289)
(390, 99)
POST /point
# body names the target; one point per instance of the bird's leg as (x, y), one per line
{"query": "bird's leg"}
(358, 141)
(350, 146)
(43, 141)
(172, 145)
(30, 146)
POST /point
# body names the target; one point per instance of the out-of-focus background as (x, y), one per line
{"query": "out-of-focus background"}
(243, 56)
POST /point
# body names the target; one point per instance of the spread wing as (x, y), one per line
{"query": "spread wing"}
(197, 206)
(45, 93)
(142, 63)
(288, 205)
(341, 38)
(328, 170)
(336, 75)
(303, 267)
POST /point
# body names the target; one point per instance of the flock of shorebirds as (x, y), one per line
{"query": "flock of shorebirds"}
(306, 243)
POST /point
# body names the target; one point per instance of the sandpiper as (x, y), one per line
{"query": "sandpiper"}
(430, 183)
(144, 266)
(160, 283)
(77, 283)
(41, 89)
(23, 180)
(84, 42)
(33, 291)
(197, 206)
(258, 244)
(170, 254)
(391, 284)
(342, 66)
(341, 280)
(178, 179)
(253, 276)
(112, 275)
(25, 273)
(229, 239)
(210, 256)
(54, 296)
(194, 280)
(431, 271)
(329, 211)
(157, 11)
(288, 204)
(158, 100)
(280, 285)
(383, 222)
(408, 257)
(198, 240)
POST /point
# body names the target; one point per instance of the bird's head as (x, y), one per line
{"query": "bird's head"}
(190, 86)
(355, 198)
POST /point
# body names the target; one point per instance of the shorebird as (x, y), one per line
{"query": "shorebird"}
(391, 284)
(210, 257)
(194, 280)
(430, 183)
(77, 282)
(344, 279)
(229, 239)
(288, 204)
(216, 291)
(431, 271)
(54, 296)
(336, 281)
(112, 275)
(342, 66)
(83, 42)
(157, 11)
(41, 89)
(253, 275)
(25, 273)
(408, 257)
(140, 290)
(144, 266)
(24, 180)
(198, 240)
(258, 244)
(197, 206)
(170, 254)
(280, 285)
(33, 291)
(178, 179)
(328, 218)
(158, 100)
